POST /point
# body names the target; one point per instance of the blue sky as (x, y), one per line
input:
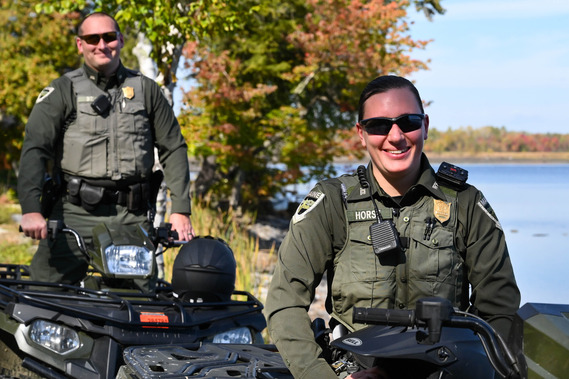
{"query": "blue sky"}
(496, 63)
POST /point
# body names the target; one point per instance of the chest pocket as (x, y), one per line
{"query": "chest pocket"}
(85, 144)
(364, 264)
(135, 138)
(434, 259)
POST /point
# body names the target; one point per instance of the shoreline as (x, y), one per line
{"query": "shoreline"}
(489, 158)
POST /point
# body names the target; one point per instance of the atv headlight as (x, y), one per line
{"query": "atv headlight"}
(239, 335)
(54, 337)
(128, 260)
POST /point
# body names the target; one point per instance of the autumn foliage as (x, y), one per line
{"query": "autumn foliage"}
(491, 139)
(275, 101)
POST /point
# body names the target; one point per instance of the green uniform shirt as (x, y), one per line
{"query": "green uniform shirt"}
(56, 106)
(318, 234)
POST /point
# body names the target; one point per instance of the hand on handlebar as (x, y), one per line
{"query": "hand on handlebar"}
(34, 225)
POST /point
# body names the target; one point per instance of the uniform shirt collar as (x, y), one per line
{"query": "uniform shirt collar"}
(426, 183)
(101, 81)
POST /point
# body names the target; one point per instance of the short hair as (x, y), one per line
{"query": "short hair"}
(383, 84)
(80, 25)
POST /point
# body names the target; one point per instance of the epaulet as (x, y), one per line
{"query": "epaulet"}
(452, 176)
(74, 73)
(133, 72)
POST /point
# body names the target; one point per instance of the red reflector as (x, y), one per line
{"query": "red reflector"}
(154, 317)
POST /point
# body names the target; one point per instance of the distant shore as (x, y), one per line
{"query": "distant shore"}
(502, 157)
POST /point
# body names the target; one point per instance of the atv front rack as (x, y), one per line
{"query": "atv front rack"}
(204, 361)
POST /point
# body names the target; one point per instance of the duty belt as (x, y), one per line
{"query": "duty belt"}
(89, 196)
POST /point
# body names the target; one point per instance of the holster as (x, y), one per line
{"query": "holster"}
(138, 196)
(51, 191)
(155, 183)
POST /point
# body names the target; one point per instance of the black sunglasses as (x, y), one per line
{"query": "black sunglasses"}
(382, 125)
(93, 39)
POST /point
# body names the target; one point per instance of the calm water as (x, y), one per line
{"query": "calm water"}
(532, 204)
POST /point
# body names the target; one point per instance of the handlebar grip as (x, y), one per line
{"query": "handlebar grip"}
(378, 316)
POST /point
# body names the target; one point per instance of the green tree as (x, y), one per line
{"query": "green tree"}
(275, 101)
(279, 75)
(34, 49)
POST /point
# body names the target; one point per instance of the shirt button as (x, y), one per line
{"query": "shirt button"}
(406, 218)
(401, 306)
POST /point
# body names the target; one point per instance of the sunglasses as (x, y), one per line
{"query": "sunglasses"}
(93, 39)
(382, 125)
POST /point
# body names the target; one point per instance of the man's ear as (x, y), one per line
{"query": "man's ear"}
(79, 43)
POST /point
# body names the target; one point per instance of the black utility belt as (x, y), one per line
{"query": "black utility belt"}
(80, 192)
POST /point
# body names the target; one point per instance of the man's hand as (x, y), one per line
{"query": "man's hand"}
(370, 373)
(34, 225)
(181, 223)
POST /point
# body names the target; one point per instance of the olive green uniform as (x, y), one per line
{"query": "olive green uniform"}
(54, 118)
(450, 238)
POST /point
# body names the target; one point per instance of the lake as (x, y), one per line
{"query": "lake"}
(532, 204)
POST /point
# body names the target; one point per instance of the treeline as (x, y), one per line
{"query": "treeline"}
(491, 139)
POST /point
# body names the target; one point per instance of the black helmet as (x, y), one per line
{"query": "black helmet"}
(205, 269)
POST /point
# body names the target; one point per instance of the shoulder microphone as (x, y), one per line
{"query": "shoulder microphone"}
(384, 237)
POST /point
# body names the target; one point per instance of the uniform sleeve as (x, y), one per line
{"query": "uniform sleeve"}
(495, 293)
(303, 257)
(53, 106)
(172, 148)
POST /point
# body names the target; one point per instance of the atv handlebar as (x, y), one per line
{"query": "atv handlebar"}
(434, 313)
(374, 316)
(163, 235)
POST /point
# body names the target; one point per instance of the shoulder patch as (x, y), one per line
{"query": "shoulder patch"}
(485, 206)
(44, 93)
(307, 205)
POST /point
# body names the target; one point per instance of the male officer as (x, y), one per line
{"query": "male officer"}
(97, 128)
(445, 236)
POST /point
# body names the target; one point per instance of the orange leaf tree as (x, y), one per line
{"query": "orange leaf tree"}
(274, 102)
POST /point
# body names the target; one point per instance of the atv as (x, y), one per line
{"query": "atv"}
(55, 330)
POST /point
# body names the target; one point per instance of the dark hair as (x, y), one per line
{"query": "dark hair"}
(383, 84)
(80, 25)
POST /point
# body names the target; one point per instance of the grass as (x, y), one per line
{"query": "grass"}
(14, 247)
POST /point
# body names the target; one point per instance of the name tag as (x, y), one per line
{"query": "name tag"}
(368, 214)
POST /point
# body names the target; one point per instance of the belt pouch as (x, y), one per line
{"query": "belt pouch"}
(73, 188)
(91, 196)
(134, 199)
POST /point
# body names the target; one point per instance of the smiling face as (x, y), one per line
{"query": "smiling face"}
(103, 56)
(396, 157)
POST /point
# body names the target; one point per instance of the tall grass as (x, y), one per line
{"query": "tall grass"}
(14, 247)
(232, 229)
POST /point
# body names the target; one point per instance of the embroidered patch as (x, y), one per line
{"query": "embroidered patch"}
(308, 204)
(44, 93)
(128, 92)
(441, 210)
(485, 206)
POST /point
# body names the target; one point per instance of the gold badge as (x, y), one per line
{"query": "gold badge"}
(441, 210)
(128, 92)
